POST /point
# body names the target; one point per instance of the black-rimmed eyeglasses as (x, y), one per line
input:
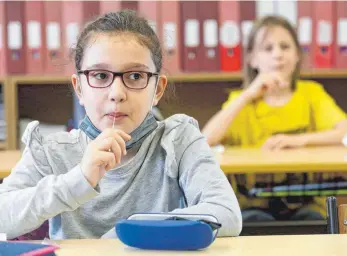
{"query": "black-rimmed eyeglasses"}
(101, 78)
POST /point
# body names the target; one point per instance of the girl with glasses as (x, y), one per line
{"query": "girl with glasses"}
(121, 160)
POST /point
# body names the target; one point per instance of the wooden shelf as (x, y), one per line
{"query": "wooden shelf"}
(184, 77)
(206, 77)
(40, 79)
(237, 76)
(325, 73)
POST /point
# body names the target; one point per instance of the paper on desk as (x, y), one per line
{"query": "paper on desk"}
(3, 237)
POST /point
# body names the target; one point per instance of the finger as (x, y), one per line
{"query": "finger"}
(282, 144)
(109, 132)
(272, 84)
(104, 144)
(268, 144)
(122, 144)
(123, 134)
(277, 83)
(281, 82)
(117, 151)
(107, 160)
(274, 142)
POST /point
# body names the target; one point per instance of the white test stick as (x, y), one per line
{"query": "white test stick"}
(114, 118)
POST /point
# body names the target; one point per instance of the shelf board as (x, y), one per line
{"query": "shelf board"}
(237, 76)
(206, 77)
(187, 77)
(28, 79)
(325, 73)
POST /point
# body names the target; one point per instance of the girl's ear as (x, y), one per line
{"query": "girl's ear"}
(162, 83)
(77, 88)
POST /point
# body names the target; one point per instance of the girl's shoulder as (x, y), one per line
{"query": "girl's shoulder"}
(179, 126)
(233, 94)
(179, 121)
(309, 86)
(180, 131)
(33, 136)
(49, 150)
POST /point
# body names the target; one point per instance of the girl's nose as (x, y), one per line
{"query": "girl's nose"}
(117, 90)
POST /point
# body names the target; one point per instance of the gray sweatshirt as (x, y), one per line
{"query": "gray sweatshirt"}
(173, 162)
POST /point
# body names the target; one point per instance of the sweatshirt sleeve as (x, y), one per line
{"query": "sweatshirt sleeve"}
(32, 193)
(205, 186)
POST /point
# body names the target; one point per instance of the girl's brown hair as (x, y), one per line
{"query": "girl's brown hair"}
(268, 22)
(125, 21)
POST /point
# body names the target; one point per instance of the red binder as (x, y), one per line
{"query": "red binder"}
(341, 35)
(230, 35)
(190, 36)
(170, 20)
(3, 40)
(247, 16)
(324, 25)
(75, 15)
(54, 61)
(15, 35)
(34, 54)
(208, 55)
(305, 32)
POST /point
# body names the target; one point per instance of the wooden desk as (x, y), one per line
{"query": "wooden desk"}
(8, 160)
(319, 159)
(317, 245)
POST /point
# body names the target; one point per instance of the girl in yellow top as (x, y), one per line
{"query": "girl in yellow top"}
(275, 111)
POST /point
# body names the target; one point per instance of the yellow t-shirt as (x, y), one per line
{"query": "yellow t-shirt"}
(310, 109)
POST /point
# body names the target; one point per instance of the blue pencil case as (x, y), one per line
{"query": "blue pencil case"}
(168, 231)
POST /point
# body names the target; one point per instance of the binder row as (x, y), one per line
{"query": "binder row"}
(208, 36)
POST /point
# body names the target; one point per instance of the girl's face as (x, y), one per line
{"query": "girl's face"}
(275, 51)
(127, 107)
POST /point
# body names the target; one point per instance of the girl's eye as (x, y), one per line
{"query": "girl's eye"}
(135, 76)
(100, 75)
(285, 46)
(268, 48)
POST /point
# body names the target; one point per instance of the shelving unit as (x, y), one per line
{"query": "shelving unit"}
(206, 89)
(237, 76)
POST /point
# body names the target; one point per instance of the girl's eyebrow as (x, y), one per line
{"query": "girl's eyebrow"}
(135, 65)
(126, 66)
(99, 66)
